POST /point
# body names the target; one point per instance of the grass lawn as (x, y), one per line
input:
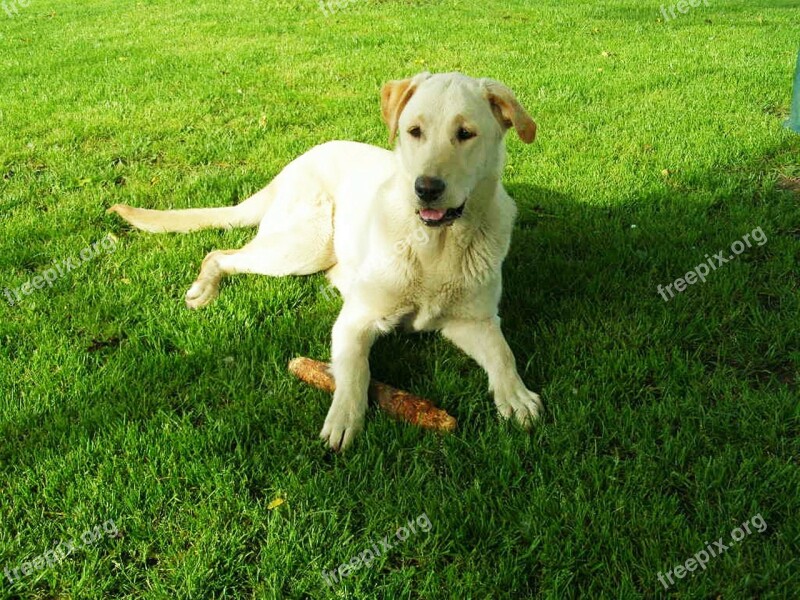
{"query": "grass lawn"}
(668, 424)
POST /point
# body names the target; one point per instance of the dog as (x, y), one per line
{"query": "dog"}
(414, 237)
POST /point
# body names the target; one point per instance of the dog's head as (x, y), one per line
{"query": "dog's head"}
(449, 130)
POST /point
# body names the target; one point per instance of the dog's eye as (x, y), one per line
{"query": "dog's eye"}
(464, 134)
(415, 132)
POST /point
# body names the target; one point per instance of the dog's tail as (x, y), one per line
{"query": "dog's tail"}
(245, 214)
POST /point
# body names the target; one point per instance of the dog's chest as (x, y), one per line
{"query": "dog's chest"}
(435, 285)
(423, 281)
(428, 300)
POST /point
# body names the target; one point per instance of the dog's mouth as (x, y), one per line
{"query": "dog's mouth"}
(436, 217)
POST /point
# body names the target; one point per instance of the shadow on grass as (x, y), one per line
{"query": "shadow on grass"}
(581, 279)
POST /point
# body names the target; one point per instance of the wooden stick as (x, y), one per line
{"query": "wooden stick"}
(399, 404)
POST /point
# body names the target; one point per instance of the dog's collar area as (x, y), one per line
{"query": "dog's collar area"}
(450, 215)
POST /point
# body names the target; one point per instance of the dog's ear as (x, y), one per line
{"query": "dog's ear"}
(508, 110)
(394, 97)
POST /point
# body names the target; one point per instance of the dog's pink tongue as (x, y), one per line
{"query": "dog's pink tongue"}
(432, 214)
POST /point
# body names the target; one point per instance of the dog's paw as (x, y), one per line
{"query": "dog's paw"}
(342, 425)
(202, 293)
(521, 404)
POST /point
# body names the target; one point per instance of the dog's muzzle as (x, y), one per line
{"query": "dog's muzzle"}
(436, 217)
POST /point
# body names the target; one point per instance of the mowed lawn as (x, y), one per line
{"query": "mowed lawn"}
(178, 440)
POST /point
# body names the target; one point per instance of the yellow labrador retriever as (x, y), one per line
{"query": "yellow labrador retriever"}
(414, 237)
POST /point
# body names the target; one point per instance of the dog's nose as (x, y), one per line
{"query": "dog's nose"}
(429, 189)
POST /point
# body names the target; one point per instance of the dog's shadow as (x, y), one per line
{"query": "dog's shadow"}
(582, 278)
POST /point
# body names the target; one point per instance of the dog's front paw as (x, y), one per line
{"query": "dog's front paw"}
(344, 421)
(521, 404)
(202, 293)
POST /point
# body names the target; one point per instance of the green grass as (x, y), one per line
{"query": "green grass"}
(667, 424)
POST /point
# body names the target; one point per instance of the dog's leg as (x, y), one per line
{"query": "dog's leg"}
(276, 256)
(353, 336)
(484, 341)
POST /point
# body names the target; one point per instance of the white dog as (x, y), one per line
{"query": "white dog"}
(414, 237)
